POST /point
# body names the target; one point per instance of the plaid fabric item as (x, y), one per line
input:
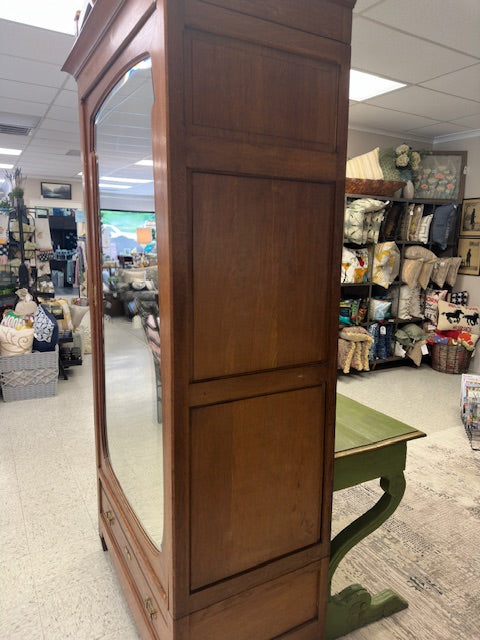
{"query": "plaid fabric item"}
(460, 297)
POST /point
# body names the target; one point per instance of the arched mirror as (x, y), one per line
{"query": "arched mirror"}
(133, 385)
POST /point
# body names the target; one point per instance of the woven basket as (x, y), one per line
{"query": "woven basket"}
(29, 375)
(448, 358)
(358, 186)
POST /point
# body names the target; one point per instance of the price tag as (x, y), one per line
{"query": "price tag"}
(399, 350)
(424, 349)
(383, 331)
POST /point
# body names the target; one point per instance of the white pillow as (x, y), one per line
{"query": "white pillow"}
(366, 166)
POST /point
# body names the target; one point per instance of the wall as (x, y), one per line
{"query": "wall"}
(361, 141)
(33, 197)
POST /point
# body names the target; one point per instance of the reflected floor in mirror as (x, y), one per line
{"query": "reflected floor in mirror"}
(134, 420)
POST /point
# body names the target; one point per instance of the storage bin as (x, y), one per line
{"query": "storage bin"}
(448, 358)
(30, 375)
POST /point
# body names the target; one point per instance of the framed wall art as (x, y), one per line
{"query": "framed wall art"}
(61, 191)
(469, 251)
(470, 225)
(441, 175)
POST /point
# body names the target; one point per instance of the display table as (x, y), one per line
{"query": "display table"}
(368, 445)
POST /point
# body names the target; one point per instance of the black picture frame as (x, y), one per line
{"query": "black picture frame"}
(56, 190)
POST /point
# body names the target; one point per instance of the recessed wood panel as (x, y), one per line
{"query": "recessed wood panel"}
(265, 612)
(330, 19)
(261, 271)
(263, 92)
(256, 481)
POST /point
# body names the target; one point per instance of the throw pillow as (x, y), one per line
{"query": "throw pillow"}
(443, 218)
(14, 342)
(45, 329)
(432, 298)
(453, 267)
(440, 271)
(365, 166)
(410, 271)
(386, 158)
(459, 297)
(386, 264)
(15, 320)
(455, 316)
(424, 228)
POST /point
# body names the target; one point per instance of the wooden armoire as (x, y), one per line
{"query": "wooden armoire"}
(215, 418)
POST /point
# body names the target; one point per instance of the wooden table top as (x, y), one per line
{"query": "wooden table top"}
(360, 428)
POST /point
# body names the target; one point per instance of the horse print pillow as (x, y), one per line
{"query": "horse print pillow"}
(456, 316)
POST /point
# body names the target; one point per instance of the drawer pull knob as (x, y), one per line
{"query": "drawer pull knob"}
(150, 609)
(109, 516)
(127, 553)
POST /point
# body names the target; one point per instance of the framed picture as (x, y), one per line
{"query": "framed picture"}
(441, 176)
(470, 225)
(56, 190)
(469, 251)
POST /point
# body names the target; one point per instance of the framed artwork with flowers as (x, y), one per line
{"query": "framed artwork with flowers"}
(470, 225)
(440, 175)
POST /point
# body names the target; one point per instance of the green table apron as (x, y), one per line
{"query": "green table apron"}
(368, 445)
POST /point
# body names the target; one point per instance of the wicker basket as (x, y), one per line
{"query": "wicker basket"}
(30, 375)
(450, 358)
(359, 186)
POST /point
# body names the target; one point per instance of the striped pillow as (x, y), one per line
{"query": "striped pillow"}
(366, 166)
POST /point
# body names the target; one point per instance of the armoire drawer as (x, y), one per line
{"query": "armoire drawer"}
(152, 611)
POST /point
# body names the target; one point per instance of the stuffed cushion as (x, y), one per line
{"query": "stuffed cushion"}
(443, 218)
(15, 320)
(424, 228)
(440, 271)
(459, 297)
(415, 352)
(387, 163)
(365, 166)
(45, 330)
(432, 298)
(386, 264)
(354, 265)
(455, 316)
(14, 342)
(453, 267)
(410, 271)
(416, 216)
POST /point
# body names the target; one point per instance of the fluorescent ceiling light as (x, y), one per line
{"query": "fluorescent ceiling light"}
(56, 15)
(114, 186)
(132, 180)
(6, 166)
(10, 152)
(364, 85)
(145, 163)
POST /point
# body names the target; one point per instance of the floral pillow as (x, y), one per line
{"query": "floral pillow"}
(45, 330)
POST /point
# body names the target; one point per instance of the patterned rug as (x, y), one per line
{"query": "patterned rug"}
(428, 551)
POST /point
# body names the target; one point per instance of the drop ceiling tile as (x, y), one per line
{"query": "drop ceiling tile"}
(31, 71)
(26, 41)
(60, 125)
(464, 83)
(387, 120)
(399, 56)
(439, 129)
(67, 99)
(435, 21)
(473, 122)
(24, 91)
(427, 103)
(64, 113)
(362, 5)
(9, 105)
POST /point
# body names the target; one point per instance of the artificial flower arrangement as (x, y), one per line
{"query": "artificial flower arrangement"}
(407, 161)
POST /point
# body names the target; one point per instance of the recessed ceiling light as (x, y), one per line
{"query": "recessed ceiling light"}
(145, 163)
(6, 166)
(132, 180)
(56, 15)
(10, 152)
(114, 186)
(364, 85)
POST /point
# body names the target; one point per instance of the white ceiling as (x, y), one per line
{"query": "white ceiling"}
(431, 45)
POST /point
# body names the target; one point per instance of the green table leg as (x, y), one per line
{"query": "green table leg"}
(355, 607)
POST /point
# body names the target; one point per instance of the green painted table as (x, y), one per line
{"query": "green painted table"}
(368, 445)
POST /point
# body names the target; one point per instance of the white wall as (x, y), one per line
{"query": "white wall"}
(361, 141)
(33, 197)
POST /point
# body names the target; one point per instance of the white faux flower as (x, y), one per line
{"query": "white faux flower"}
(403, 148)
(402, 160)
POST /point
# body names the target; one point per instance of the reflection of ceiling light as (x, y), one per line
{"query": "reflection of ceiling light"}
(132, 180)
(10, 152)
(144, 64)
(6, 166)
(145, 163)
(365, 85)
(114, 186)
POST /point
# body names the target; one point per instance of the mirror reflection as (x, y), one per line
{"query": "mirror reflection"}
(133, 386)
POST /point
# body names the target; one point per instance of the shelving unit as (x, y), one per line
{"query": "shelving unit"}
(369, 289)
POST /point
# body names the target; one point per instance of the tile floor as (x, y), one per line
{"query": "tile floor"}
(56, 582)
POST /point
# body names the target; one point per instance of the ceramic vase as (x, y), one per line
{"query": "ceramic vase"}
(408, 190)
